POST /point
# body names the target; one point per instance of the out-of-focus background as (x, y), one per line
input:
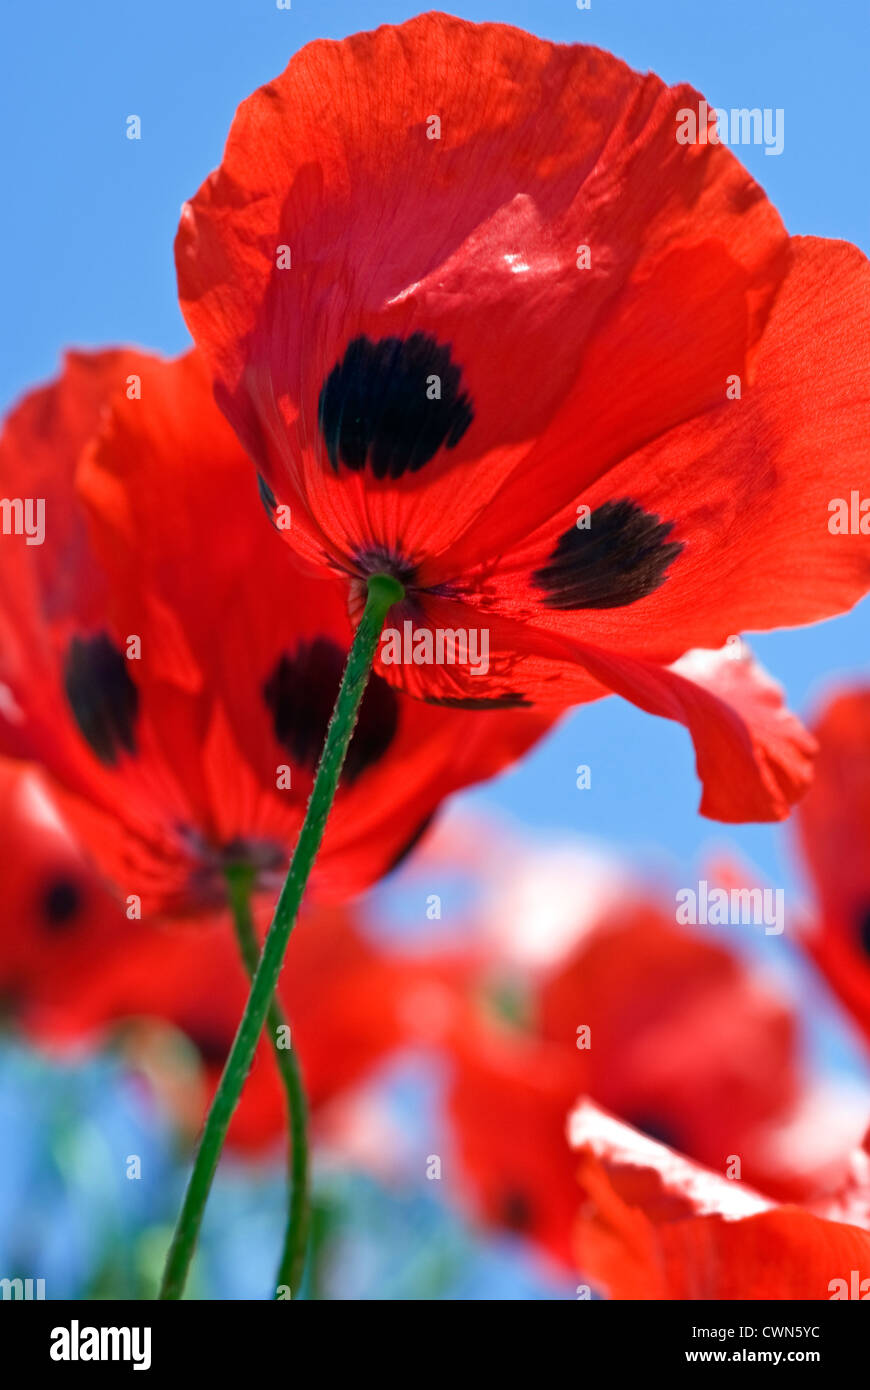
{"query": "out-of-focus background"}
(87, 260)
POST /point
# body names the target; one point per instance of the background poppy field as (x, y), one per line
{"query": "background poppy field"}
(86, 257)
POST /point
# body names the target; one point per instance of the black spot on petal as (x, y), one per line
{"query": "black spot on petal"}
(511, 699)
(516, 1211)
(103, 699)
(61, 903)
(622, 557)
(864, 930)
(300, 695)
(376, 410)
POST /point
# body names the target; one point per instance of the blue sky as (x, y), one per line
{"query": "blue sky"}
(87, 259)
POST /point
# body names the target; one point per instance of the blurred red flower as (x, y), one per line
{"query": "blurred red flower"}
(567, 378)
(163, 658)
(571, 980)
(574, 981)
(682, 1042)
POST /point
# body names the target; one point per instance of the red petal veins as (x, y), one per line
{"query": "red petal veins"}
(747, 486)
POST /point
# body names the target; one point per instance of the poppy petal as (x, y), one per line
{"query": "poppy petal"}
(656, 1226)
(754, 757)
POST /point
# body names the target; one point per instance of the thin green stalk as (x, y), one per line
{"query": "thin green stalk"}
(383, 592)
(240, 881)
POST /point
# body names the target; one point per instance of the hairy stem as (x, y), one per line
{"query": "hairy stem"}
(240, 880)
(383, 592)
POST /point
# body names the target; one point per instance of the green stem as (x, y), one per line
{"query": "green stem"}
(240, 881)
(383, 592)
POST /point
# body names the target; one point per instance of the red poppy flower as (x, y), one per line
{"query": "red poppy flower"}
(485, 323)
(165, 661)
(654, 1225)
(683, 1041)
(834, 830)
(75, 971)
(511, 1092)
